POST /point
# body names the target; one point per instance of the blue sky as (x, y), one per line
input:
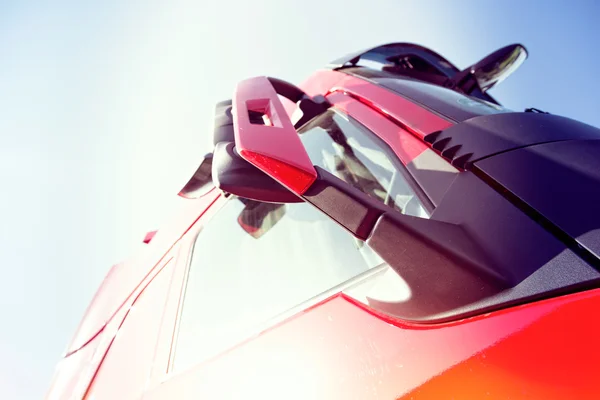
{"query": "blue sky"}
(105, 111)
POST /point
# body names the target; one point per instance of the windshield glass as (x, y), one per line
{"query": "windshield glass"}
(350, 151)
(450, 104)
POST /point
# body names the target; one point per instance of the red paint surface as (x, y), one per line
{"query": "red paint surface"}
(317, 84)
(100, 309)
(276, 149)
(340, 351)
(412, 117)
(405, 145)
(149, 236)
(416, 119)
(123, 279)
(295, 179)
(74, 380)
(71, 371)
(174, 299)
(125, 370)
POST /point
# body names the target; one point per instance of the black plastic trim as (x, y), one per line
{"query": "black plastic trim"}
(287, 89)
(223, 123)
(532, 263)
(444, 267)
(232, 174)
(557, 184)
(382, 52)
(201, 182)
(348, 206)
(484, 136)
(539, 218)
(441, 265)
(477, 253)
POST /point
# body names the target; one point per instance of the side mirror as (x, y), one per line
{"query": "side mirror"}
(201, 182)
(232, 174)
(258, 218)
(270, 143)
(265, 140)
(269, 163)
(494, 68)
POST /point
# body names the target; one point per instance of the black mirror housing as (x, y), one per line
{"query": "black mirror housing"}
(496, 67)
(492, 69)
(232, 174)
(201, 182)
(258, 218)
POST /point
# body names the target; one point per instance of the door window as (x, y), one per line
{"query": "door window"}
(253, 261)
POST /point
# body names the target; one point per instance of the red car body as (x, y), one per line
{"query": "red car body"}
(334, 346)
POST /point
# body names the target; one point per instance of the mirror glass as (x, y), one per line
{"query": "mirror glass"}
(201, 182)
(498, 66)
(258, 218)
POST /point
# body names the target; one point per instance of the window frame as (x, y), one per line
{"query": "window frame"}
(163, 360)
(186, 262)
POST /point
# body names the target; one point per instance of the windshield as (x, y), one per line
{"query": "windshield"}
(449, 103)
(350, 151)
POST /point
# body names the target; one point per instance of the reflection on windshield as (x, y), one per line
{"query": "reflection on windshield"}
(452, 104)
(347, 150)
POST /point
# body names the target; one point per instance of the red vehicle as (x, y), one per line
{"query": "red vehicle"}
(389, 231)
